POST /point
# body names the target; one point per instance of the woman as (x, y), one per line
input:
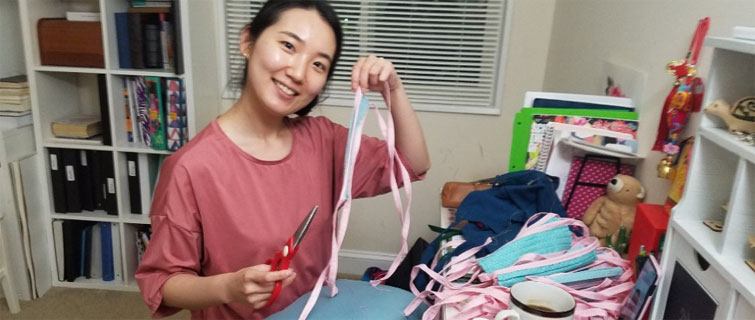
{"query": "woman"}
(230, 199)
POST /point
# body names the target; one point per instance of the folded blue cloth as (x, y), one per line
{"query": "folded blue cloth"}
(355, 300)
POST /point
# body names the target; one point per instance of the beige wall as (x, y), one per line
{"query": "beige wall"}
(462, 147)
(644, 35)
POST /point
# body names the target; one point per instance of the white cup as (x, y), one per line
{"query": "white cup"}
(532, 300)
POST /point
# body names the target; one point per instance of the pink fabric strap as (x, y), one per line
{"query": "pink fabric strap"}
(486, 298)
(343, 206)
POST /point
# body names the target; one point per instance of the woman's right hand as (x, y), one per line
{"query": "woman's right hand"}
(254, 285)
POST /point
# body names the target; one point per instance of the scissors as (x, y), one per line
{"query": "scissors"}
(283, 257)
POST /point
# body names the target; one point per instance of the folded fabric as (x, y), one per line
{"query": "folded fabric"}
(574, 279)
(355, 300)
(548, 241)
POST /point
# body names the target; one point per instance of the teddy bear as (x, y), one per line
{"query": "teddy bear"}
(607, 214)
(739, 117)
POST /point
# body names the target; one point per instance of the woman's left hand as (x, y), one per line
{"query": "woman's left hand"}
(372, 72)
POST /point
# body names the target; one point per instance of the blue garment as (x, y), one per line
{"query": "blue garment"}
(498, 213)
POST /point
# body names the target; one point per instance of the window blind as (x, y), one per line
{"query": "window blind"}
(446, 51)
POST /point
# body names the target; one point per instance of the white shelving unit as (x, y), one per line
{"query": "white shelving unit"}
(722, 171)
(58, 91)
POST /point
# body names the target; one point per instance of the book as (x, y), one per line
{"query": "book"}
(127, 111)
(23, 105)
(156, 113)
(122, 37)
(77, 126)
(136, 39)
(108, 176)
(564, 104)
(152, 47)
(173, 109)
(18, 81)
(142, 110)
(166, 41)
(82, 16)
(161, 4)
(14, 92)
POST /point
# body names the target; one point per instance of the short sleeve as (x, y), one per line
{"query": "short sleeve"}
(176, 243)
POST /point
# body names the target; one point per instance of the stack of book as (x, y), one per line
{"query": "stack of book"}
(155, 111)
(148, 37)
(14, 95)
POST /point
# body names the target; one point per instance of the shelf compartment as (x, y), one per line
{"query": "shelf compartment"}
(729, 142)
(82, 183)
(727, 78)
(706, 271)
(66, 94)
(39, 9)
(743, 309)
(134, 238)
(741, 218)
(137, 172)
(714, 169)
(695, 235)
(83, 249)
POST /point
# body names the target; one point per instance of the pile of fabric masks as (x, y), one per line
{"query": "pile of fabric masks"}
(517, 231)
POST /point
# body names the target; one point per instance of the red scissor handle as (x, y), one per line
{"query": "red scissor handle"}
(280, 261)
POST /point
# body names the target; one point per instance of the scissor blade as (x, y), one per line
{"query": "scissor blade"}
(303, 227)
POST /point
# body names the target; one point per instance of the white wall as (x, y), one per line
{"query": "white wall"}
(641, 34)
(11, 50)
(462, 147)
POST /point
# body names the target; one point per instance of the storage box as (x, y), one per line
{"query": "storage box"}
(70, 43)
(650, 223)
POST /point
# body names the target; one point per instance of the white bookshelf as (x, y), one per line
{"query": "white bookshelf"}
(58, 91)
(722, 171)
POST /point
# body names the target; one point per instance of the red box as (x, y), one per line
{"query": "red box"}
(650, 224)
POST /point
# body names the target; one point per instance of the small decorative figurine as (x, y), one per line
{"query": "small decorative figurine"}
(739, 117)
(608, 214)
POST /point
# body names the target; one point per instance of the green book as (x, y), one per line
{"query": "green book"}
(156, 113)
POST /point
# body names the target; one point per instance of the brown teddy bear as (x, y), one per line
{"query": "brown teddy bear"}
(615, 209)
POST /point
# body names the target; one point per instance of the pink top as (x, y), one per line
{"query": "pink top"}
(217, 209)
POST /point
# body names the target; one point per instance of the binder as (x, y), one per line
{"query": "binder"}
(72, 249)
(98, 180)
(57, 175)
(134, 190)
(111, 203)
(57, 233)
(106, 244)
(72, 188)
(117, 264)
(86, 245)
(85, 181)
(145, 186)
(95, 252)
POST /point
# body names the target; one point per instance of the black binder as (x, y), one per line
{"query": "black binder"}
(58, 177)
(104, 110)
(98, 180)
(85, 180)
(111, 204)
(135, 198)
(73, 192)
(72, 249)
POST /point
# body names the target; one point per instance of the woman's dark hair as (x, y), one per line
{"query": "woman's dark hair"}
(269, 14)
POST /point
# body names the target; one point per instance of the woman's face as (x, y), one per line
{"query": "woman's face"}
(289, 62)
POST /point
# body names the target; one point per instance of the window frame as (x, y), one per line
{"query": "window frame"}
(498, 83)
